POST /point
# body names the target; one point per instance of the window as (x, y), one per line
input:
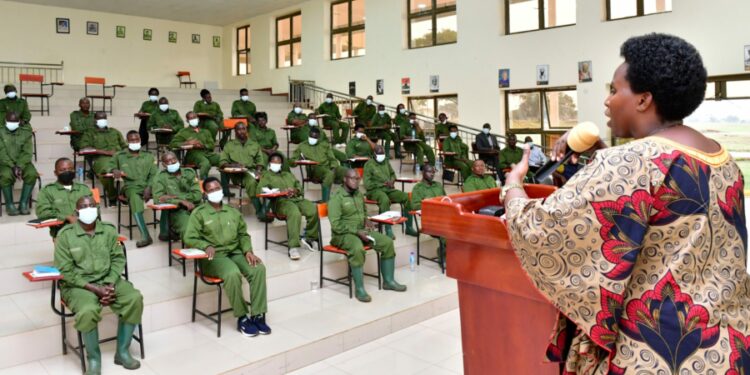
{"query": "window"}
(527, 15)
(432, 106)
(289, 40)
(347, 29)
(543, 114)
(432, 22)
(617, 9)
(243, 50)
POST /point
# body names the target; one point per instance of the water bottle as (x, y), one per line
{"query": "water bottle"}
(413, 133)
(418, 170)
(412, 261)
(79, 174)
(438, 164)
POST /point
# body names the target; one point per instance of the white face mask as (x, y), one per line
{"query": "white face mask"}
(215, 197)
(134, 146)
(173, 168)
(312, 122)
(87, 215)
(11, 94)
(379, 158)
(412, 121)
(164, 107)
(274, 167)
(359, 135)
(101, 123)
(297, 110)
(329, 100)
(454, 135)
(193, 122)
(369, 102)
(312, 141)
(12, 126)
(244, 98)
(486, 131)
(402, 111)
(153, 98)
(381, 113)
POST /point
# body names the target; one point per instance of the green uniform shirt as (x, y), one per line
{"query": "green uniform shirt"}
(346, 212)
(149, 107)
(376, 174)
(332, 110)
(422, 191)
(404, 130)
(282, 180)
(304, 133)
(108, 139)
(17, 105)
(321, 152)
(298, 133)
(358, 147)
(248, 154)
(378, 120)
(455, 145)
(224, 229)
(510, 156)
(57, 202)
(166, 120)
(185, 186)
(83, 259)
(401, 120)
(266, 137)
(243, 109)
(81, 123)
(364, 112)
(442, 129)
(140, 169)
(212, 109)
(16, 148)
(474, 183)
(203, 135)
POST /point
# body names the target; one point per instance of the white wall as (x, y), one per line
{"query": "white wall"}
(27, 34)
(469, 67)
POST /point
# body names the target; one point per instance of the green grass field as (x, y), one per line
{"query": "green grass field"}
(733, 137)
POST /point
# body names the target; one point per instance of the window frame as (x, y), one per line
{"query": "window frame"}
(540, 4)
(434, 99)
(348, 30)
(246, 51)
(433, 12)
(720, 86)
(291, 41)
(639, 11)
(543, 110)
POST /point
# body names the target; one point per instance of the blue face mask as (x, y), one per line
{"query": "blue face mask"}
(173, 168)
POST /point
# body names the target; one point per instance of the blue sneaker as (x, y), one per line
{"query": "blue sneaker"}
(259, 321)
(246, 327)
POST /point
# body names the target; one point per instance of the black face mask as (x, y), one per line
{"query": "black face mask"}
(66, 178)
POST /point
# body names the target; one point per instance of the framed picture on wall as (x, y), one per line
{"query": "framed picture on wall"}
(173, 37)
(406, 85)
(217, 41)
(353, 88)
(503, 78)
(62, 25)
(92, 28)
(434, 83)
(120, 31)
(747, 58)
(542, 74)
(379, 87)
(584, 71)
(196, 38)
(147, 34)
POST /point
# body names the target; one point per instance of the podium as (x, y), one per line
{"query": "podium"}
(505, 322)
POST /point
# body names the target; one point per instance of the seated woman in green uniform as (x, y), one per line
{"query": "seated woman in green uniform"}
(178, 186)
(478, 179)
(220, 231)
(148, 108)
(198, 143)
(106, 141)
(58, 200)
(210, 115)
(91, 261)
(16, 153)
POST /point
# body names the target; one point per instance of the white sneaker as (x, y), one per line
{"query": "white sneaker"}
(294, 253)
(307, 244)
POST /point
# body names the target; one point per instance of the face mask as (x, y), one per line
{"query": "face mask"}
(402, 111)
(381, 113)
(66, 178)
(87, 215)
(486, 131)
(153, 98)
(297, 110)
(329, 100)
(275, 167)
(134, 146)
(11, 95)
(101, 123)
(369, 102)
(215, 197)
(164, 107)
(193, 122)
(454, 135)
(379, 158)
(412, 122)
(312, 141)
(312, 122)
(12, 126)
(173, 168)
(359, 135)
(244, 98)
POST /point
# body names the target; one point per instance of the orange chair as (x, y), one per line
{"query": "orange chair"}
(185, 79)
(37, 79)
(99, 82)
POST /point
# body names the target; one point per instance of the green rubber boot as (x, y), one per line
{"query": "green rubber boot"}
(410, 225)
(23, 203)
(387, 266)
(397, 150)
(387, 149)
(93, 354)
(122, 355)
(145, 236)
(225, 185)
(358, 275)
(326, 193)
(163, 230)
(8, 193)
(389, 231)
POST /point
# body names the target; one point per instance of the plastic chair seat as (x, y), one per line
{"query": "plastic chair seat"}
(210, 279)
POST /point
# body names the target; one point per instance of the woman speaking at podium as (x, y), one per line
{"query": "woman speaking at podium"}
(643, 251)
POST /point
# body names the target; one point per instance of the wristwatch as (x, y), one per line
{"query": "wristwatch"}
(507, 187)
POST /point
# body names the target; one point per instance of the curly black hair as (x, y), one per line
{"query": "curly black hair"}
(668, 67)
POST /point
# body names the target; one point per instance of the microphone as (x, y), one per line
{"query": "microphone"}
(581, 138)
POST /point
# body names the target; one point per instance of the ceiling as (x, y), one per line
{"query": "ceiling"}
(209, 12)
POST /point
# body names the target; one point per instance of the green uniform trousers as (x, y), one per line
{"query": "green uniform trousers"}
(128, 305)
(211, 125)
(203, 161)
(420, 150)
(178, 220)
(232, 268)
(385, 197)
(294, 210)
(246, 180)
(327, 176)
(461, 166)
(164, 139)
(339, 131)
(353, 245)
(28, 171)
(134, 194)
(101, 166)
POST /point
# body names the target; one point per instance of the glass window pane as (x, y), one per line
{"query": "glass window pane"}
(563, 109)
(559, 12)
(550, 139)
(340, 46)
(657, 6)
(358, 43)
(524, 110)
(622, 9)
(249, 66)
(449, 106)
(738, 89)
(242, 58)
(422, 106)
(727, 122)
(444, 3)
(358, 12)
(282, 29)
(417, 6)
(524, 15)
(447, 28)
(421, 32)
(340, 16)
(241, 38)
(297, 52)
(297, 26)
(535, 138)
(284, 56)
(710, 90)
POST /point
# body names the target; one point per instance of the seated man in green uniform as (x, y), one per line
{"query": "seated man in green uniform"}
(58, 200)
(351, 231)
(148, 108)
(360, 144)
(221, 232)
(380, 180)
(178, 186)
(442, 126)
(428, 188)
(509, 156)
(81, 121)
(90, 259)
(420, 149)
(244, 152)
(165, 118)
(297, 119)
(198, 142)
(14, 103)
(138, 169)
(210, 115)
(364, 111)
(339, 128)
(478, 179)
(294, 206)
(244, 108)
(16, 153)
(383, 120)
(457, 153)
(328, 170)
(312, 123)
(265, 136)
(107, 141)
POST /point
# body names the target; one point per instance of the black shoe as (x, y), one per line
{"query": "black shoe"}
(163, 237)
(246, 327)
(259, 321)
